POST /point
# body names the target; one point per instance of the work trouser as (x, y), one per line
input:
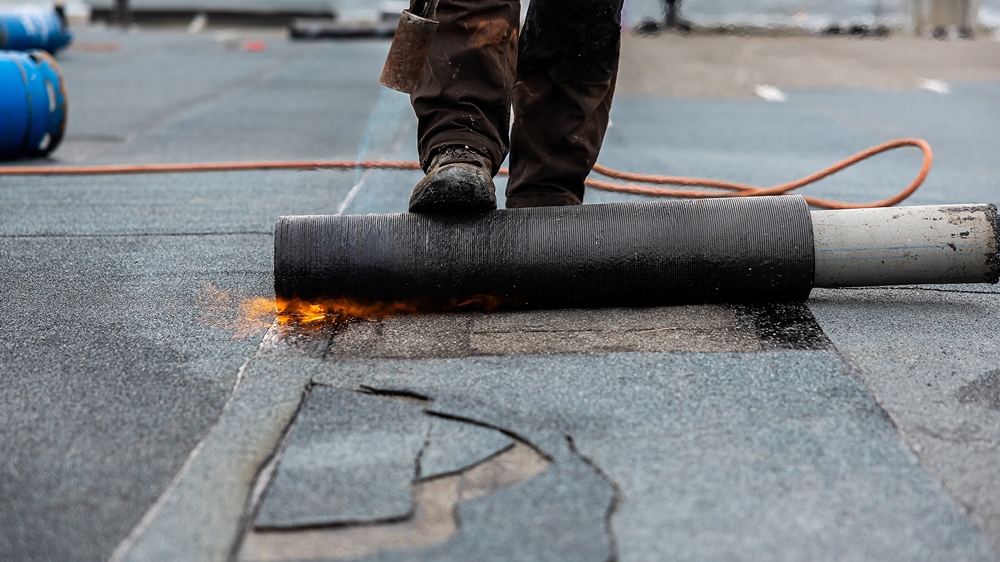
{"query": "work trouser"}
(560, 76)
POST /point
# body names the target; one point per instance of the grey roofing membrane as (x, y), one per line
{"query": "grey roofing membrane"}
(558, 515)
(204, 203)
(931, 358)
(110, 377)
(453, 446)
(135, 427)
(779, 455)
(350, 459)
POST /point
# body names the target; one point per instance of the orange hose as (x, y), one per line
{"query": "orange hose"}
(730, 188)
(107, 169)
(744, 190)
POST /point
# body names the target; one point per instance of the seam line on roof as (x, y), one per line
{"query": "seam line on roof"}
(145, 522)
(265, 477)
(916, 288)
(616, 498)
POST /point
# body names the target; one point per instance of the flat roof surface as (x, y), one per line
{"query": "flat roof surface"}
(146, 416)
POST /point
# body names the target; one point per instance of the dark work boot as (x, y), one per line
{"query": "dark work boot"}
(457, 181)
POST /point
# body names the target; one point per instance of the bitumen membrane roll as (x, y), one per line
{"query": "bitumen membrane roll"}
(617, 254)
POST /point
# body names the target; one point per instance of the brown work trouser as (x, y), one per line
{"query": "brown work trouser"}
(560, 77)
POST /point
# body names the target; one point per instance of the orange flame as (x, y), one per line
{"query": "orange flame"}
(338, 311)
(334, 311)
(256, 314)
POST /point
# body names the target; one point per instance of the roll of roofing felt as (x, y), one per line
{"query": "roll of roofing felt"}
(648, 253)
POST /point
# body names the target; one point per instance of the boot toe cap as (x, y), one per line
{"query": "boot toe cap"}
(454, 188)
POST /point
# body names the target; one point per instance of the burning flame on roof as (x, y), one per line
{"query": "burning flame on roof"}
(333, 311)
(257, 314)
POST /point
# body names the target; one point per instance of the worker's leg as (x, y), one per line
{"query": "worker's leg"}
(567, 66)
(463, 97)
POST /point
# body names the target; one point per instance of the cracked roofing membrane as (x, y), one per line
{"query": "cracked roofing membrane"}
(861, 425)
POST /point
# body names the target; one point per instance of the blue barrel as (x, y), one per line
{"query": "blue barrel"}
(32, 104)
(23, 28)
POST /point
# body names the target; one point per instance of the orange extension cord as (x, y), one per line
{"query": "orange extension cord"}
(730, 189)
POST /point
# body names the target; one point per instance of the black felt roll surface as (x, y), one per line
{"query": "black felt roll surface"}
(617, 254)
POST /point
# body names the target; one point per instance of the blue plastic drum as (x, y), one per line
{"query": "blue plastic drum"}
(23, 28)
(32, 104)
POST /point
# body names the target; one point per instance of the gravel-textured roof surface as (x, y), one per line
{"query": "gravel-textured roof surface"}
(862, 425)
